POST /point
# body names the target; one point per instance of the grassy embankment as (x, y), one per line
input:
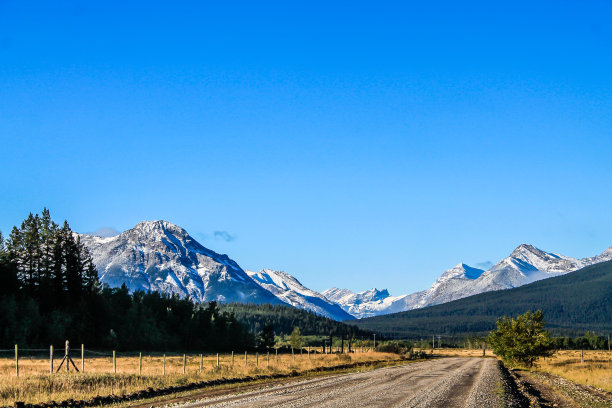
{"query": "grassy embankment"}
(36, 385)
(595, 371)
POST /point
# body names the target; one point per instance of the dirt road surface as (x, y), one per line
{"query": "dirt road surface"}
(446, 382)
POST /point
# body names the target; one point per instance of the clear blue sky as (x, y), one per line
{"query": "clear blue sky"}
(353, 144)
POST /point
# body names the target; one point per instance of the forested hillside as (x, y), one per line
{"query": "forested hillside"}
(572, 304)
(285, 318)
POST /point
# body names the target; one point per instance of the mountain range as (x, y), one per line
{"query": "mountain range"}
(161, 256)
(526, 264)
(572, 303)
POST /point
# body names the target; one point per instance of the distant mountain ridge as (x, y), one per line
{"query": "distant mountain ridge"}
(161, 256)
(572, 304)
(291, 291)
(526, 264)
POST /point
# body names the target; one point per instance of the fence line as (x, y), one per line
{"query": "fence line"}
(20, 354)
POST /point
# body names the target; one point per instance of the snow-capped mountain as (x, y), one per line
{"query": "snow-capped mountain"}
(526, 264)
(369, 303)
(291, 291)
(160, 256)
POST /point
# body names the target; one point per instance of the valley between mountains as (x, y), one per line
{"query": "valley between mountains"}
(161, 256)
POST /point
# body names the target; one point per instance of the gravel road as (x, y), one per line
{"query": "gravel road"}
(445, 382)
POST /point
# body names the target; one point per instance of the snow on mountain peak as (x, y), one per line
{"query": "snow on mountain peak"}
(161, 256)
(525, 264)
(287, 288)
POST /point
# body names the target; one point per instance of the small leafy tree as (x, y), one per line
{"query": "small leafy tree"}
(296, 338)
(522, 340)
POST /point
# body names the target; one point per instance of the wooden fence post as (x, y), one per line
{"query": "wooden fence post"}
(140, 363)
(581, 356)
(232, 359)
(201, 362)
(245, 359)
(276, 351)
(114, 362)
(82, 358)
(17, 360)
(51, 359)
(164, 366)
(67, 351)
(184, 363)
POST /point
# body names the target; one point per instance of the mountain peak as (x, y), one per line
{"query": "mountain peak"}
(525, 248)
(375, 294)
(161, 256)
(159, 225)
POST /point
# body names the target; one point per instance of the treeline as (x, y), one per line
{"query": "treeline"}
(50, 292)
(590, 341)
(285, 318)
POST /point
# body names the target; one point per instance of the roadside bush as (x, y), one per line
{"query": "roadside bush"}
(522, 340)
(397, 347)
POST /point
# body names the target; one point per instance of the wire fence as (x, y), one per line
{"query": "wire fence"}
(37, 361)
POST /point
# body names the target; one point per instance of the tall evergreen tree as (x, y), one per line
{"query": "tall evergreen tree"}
(48, 235)
(31, 251)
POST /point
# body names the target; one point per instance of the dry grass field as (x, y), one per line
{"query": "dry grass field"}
(595, 371)
(35, 384)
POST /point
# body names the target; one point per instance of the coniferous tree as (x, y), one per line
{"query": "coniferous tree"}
(14, 248)
(48, 235)
(266, 337)
(31, 251)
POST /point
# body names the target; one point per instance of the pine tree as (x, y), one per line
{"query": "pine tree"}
(15, 254)
(31, 251)
(48, 235)
(266, 337)
(72, 262)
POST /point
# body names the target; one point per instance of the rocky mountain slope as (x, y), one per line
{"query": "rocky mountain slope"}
(160, 256)
(291, 291)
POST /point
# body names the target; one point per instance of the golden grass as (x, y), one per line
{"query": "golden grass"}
(35, 384)
(595, 371)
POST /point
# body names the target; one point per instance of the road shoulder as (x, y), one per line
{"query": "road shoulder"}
(546, 390)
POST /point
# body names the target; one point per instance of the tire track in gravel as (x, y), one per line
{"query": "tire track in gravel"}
(446, 382)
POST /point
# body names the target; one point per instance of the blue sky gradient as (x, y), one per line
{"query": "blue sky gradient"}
(357, 144)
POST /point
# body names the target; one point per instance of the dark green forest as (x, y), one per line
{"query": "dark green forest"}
(50, 292)
(573, 304)
(285, 318)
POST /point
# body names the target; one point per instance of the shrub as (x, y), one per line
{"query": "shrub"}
(522, 340)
